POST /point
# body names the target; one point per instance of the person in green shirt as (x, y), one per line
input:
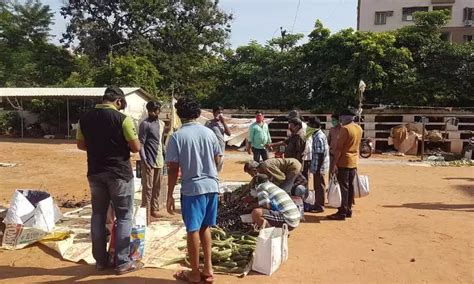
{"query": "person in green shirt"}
(259, 138)
(109, 136)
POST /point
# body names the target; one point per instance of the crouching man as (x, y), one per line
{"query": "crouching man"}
(275, 206)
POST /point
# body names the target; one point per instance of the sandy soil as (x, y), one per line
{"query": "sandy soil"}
(417, 225)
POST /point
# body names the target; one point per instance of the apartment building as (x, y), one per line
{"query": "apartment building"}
(387, 15)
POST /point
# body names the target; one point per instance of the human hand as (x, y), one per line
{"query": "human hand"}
(334, 170)
(170, 207)
(249, 151)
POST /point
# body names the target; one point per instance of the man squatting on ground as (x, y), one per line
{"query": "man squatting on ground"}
(150, 134)
(275, 206)
(108, 136)
(346, 159)
(195, 149)
(219, 127)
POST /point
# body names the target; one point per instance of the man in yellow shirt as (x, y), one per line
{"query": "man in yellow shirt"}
(346, 158)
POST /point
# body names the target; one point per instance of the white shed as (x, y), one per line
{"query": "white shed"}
(136, 98)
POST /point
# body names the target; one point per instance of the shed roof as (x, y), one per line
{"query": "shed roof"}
(62, 92)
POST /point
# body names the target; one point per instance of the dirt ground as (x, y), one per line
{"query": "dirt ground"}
(417, 225)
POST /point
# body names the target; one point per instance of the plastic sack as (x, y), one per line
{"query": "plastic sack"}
(334, 193)
(361, 186)
(271, 250)
(32, 214)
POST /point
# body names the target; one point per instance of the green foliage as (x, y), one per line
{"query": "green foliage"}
(176, 36)
(130, 71)
(9, 123)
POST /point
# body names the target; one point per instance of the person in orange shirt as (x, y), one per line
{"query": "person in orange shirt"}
(346, 158)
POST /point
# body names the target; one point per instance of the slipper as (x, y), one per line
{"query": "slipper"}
(130, 267)
(207, 279)
(183, 275)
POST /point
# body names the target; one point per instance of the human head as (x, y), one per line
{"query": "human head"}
(335, 119)
(314, 122)
(293, 114)
(187, 109)
(259, 116)
(250, 168)
(115, 96)
(217, 111)
(153, 109)
(295, 124)
(346, 117)
(256, 181)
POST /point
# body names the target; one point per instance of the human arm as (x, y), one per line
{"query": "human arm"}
(250, 139)
(172, 159)
(80, 142)
(341, 141)
(130, 134)
(142, 135)
(226, 128)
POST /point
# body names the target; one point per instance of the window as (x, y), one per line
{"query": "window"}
(446, 36)
(440, 8)
(468, 14)
(468, 38)
(381, 17)
(407, 13)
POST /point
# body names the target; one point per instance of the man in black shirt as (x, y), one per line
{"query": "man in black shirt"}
(108, 136)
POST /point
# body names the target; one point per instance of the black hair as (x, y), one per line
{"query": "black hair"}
(315, 122)
(217, 108)
(348, 112)
(258, 112)
(113, 93)
(153, 106)
(296, 121)
(187, 108)
(335, 116)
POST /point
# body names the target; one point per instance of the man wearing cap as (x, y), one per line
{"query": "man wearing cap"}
(108, 136)
(346, 159)
(150, 134)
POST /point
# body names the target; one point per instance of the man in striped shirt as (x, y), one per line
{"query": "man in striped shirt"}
(275, 205)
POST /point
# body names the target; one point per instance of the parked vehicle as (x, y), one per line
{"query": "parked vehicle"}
(366, 148)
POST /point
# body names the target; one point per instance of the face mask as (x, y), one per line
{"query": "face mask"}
(334, 122)
(259, 118)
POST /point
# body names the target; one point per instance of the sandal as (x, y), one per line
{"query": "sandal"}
(183, 275)
(129, 267)
(207, 279)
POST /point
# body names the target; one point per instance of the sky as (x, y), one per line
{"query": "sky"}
(261, 20)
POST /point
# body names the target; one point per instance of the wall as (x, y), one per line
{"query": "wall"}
(136, 107)
(369, 7)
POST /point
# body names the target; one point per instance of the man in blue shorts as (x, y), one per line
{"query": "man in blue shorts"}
(195, 149)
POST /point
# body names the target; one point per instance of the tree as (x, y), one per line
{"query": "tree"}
(24, 48)
(130, 71)
(177, 36)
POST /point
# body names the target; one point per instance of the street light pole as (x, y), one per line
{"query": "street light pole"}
(112, 52)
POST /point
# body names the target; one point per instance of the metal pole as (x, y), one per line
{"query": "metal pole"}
(423, 139)
(68, 124)
(22, 123)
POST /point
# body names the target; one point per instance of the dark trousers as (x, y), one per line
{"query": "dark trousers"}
(345, 177)
(306, 166)
(257, 153)
(319, 188)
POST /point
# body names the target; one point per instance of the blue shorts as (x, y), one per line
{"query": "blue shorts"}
(199, 211)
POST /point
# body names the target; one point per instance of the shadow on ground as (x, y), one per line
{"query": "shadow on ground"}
(435, 206)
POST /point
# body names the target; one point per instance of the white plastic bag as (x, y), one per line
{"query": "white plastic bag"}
(272, 249)
(361, 186)
(311, 199)
(334, 193)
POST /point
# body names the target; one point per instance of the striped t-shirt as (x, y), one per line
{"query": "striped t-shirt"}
(269, 193)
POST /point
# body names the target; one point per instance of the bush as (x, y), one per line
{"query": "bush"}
(10, 123)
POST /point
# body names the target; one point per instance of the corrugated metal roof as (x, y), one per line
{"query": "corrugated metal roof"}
(60, 92)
